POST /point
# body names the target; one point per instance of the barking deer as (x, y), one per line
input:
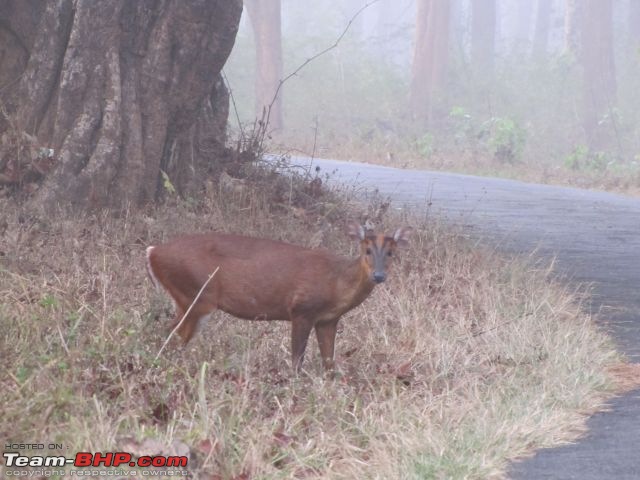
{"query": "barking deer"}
(259, 279)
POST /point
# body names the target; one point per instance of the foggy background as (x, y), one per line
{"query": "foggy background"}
(506, 84)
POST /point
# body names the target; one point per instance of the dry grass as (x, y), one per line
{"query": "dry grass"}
(459, 362)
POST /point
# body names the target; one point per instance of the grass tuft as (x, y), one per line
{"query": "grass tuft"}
(460, 362)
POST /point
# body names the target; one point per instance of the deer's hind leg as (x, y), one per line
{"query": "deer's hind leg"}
(198, 313)
(191, 324)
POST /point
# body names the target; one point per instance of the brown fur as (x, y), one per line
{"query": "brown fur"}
(260, 279)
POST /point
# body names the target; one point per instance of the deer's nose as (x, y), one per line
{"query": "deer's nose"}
(379, 277)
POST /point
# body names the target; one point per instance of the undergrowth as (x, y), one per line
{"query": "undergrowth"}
(461, 361)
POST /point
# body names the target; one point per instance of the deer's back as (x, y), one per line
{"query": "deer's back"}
(257, 278)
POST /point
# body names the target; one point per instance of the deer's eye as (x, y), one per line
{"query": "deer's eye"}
(389, 253)
(368, 251)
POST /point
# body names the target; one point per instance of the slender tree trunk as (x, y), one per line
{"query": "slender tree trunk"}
(599, 68)
(384, 28)
(429, 68)
(113, 93)
(634, 24)
(541, 35)
(439, 25)
(483, 32)
(524, 21)
(421, 67)
(572, 21)
(459, 29)
(266, 23)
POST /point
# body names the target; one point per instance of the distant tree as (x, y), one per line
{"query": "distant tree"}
(541, 34)
(524, 22)
(634, 25)
(420, 93)
(483, 33)
(386, 11)
(265, 16)
(596, 54)
(459, 28)
(572, 23)
(105, 96)
(431, 52)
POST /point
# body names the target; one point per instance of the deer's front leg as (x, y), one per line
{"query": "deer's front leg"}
(326, 335)
(300, 330)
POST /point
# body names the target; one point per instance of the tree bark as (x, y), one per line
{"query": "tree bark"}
(483, 32)
(119, 91)
(429, 68)
(541, 35)
(266, 24)
(597, 58)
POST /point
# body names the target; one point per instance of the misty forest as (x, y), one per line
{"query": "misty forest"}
(541, 90)
(153, 181)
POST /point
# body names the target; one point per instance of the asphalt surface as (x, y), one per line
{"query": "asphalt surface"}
(595, 239)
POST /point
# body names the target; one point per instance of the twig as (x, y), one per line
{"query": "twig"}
(315, 138)
(187, 312)
(11, 82)
(309, 60)
(62, 341)
(233, 102)
(495, 327)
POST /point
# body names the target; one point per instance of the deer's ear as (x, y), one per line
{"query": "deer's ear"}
(355, 231)
(401, 236)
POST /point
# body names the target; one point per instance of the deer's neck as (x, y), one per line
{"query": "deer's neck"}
(356, 285)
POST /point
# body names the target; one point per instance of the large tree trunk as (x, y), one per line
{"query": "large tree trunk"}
(266, 23)
(599, 68)
(483, 32)
(118, 90)
(541, 35)
(431, 53)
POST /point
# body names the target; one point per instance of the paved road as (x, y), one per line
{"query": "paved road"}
(595, 237)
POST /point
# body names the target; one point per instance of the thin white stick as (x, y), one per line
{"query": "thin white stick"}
(187, 312)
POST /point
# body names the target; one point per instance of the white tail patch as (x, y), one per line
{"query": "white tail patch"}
(154, 279)
(150, 268)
